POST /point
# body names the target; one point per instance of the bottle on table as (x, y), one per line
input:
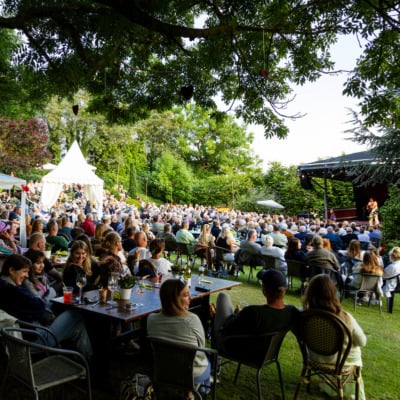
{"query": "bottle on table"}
(187, 275)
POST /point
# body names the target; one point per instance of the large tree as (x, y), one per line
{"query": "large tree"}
(136, 55)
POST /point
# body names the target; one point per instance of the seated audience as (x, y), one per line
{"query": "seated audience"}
(78, 263)
(270, 250)
(321, 294)
(176, 322)
(273, 316)
(19, 302)
(37, 282)
(390, 271)
(57, 242)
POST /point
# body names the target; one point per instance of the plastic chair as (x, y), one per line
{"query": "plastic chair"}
(261, 350)
(173, 366)
(390, 300)
(55, 366)
(324, 334)
(369, 284)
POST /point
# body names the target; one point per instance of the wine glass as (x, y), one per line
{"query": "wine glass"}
(112, 286)
(80, 282)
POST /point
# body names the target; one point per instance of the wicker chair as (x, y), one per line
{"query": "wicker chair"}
(54, 367)
(261, 350)
(323, 333)
(173, 367)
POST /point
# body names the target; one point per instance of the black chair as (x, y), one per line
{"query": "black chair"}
(390, 300)
(244, 258)
(221, 266)
(321, 333)
(269, 261)
(185, 249)
(296, 269)
(173, 367)
(54, 367)
(260, 350)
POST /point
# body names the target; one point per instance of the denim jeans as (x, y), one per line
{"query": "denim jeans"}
(70, 326)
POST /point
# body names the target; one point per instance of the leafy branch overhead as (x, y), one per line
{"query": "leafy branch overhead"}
(134, 56)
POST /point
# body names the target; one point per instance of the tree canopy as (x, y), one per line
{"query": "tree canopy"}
(134, 55)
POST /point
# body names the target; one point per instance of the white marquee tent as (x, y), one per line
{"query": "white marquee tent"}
(8, 182)
(73, 168)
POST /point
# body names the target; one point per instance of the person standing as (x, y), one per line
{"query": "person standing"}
(372, 208)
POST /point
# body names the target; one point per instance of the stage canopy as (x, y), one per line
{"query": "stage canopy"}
(73, 168)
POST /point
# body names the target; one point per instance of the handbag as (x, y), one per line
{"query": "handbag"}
(137, 388)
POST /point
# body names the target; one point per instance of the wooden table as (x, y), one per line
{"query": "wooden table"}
(100, 317)
(147, 301)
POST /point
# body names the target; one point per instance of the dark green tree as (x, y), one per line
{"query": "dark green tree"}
(135, 55)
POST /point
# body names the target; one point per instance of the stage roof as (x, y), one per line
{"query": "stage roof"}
(339, 168)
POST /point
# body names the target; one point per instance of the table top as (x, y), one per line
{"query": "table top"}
(146, 300)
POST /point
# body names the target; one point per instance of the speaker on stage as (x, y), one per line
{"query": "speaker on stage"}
(305, 182)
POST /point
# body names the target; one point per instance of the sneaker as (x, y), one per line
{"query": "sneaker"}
(365, 299)
(374, 302)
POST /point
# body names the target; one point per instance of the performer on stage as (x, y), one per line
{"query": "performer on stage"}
(372, 208)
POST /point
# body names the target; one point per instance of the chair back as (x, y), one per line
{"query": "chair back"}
(369, 282)
(260, 349)
(295, 268)
(19, 353)
(184, 248)
(173, 364)
(325, 334)
(269, 261)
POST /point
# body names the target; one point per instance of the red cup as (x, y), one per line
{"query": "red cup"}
(67, 294)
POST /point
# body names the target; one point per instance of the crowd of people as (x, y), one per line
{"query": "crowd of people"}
(134, 240)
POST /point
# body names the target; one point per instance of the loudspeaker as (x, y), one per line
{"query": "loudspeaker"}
(305, 182)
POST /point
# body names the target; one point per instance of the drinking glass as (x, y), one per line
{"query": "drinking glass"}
(80, 282)
(112, 287)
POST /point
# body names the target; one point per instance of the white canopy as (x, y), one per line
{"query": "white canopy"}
(8, 182)
(270, 204)
(73, 168)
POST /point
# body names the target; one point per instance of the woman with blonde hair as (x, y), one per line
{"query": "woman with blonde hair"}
(78, 264)
(321, 294)
(205, 244)
(112, 246)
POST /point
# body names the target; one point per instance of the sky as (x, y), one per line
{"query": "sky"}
(321, 132)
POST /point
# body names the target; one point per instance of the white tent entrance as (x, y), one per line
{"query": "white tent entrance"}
(73, 168)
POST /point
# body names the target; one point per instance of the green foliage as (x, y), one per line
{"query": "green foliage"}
(390, 217)
(135, 56)
(172, 179)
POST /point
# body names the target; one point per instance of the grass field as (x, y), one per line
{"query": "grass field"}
(381, 358)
